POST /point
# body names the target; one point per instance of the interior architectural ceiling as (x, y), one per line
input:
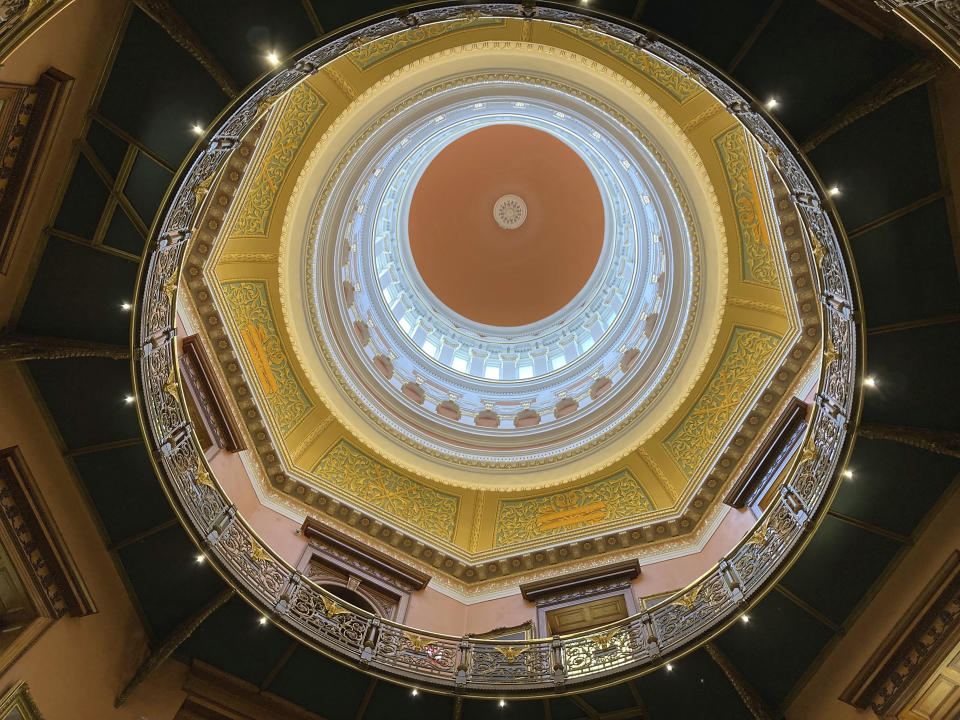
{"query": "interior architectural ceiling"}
(608, 408)
(872, 91)
(718, 271)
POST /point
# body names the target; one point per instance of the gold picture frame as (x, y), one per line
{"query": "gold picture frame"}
(18, 704)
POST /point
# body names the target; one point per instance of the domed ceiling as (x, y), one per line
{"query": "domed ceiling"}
(504, 297)
(497, 284)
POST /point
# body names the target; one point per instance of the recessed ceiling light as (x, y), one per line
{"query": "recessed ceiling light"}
(503, 703)
(834, 191)
(745, 618)
(125, 306)
(414, 692)
(870, 381)
(848, 474)
(669, 667)
(200, 559)
(263, 620)
(197, 129)
(273, 58)
(128, 399)
(772, 103)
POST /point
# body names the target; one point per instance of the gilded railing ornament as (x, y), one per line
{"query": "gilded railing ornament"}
(510, 652)
(569, 663)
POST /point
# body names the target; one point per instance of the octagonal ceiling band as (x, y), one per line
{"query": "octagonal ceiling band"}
(470, 666)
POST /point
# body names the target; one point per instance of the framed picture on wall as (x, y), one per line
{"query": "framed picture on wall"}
(17, 704)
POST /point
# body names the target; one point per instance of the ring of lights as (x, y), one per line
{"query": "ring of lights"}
(635, 373)
(469, 666)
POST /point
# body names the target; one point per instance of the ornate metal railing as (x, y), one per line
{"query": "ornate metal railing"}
(467, 665)
(937, 20)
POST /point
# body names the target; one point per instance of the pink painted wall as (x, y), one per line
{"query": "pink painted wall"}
(433, 610)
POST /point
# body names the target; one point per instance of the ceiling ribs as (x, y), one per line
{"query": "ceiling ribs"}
(172, 642)
(809, 609)
(101, 447)
(87, 243)
(638, 699)
(361, 711)
(913, 74)
(898, 213)
(751, 698)
(638, 9)
(585, 706)
(167, 17)
(17, 347)
(869, 527)
(115, 186)
(941, 442)
(910, 324)
(128, 138)
(458, 708)
(312, 15)
(754, 34)
(143, 534)
(278, 665)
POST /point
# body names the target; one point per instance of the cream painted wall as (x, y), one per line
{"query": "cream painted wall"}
(819, 698)
(81, 55)
(77, 667)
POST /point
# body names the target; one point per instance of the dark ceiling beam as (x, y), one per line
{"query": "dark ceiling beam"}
(278, 665)
(751, 698)
(869, 527)
(941, 442)
(143, 534)
(115, 186)
(638, 699)
(87, 243)
(312, 16)
(898, 213)
(167, 17)
(754, 34)
(809, 609)
(362, 710)
(638, 9)
(910, 324)
(173, 641)
(585, 706)
(458, 708)
(129, 139)
(16, 347)
(547, 712)
(102, 447)
(913, 74)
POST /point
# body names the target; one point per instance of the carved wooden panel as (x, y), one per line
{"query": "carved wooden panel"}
(31, 538)
(28, 119)
(915, 670)
(210, 410)
(335, 560)
(783, 438)
(213, 694)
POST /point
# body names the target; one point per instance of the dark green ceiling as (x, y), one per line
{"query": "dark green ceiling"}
(807, 56)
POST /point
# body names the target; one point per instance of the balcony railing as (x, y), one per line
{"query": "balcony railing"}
(467, 665)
